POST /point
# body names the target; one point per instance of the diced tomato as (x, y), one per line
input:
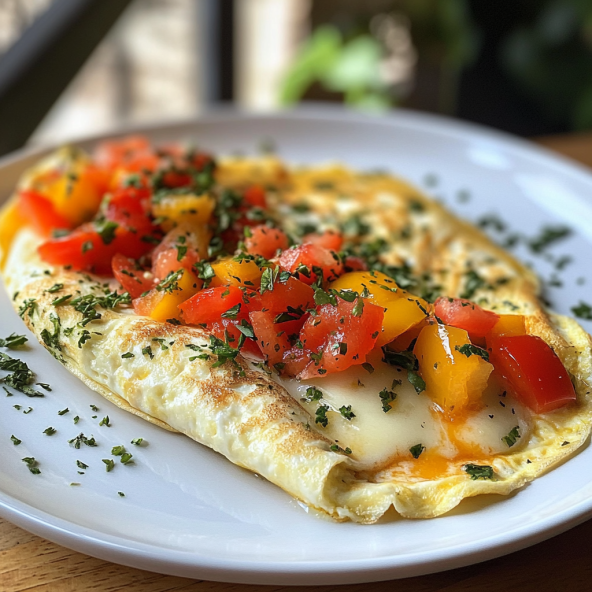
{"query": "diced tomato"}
(272, 338)
(533, 371)
(353, 263)
(340, 337)
(40, 213)
(466, 315)
(292, 293)
(301, 260)
(330, 239)
(122, 153)
(254, 196)
(174, 179)
(130, 207)
(266, 241)
(295, 360)
(135, 281)
(227, 330)
(207, 306)
(85, 250)
(168, 260)
(144, 305)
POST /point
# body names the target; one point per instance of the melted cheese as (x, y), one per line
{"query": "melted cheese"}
(378, 439)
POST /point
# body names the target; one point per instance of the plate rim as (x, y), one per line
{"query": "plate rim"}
(174, 562)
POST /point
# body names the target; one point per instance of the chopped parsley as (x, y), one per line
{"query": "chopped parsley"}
(205, 272)
(312, 394)
(77, 441)
(387, 397)
(49, 431)
(15, 440)
(137, 441)
(548, 236)
(416, 381)
(417, 450)
(13, 341)
(20, 375)
(29, 306)
(31, 464)
(105, 421)
(479, 471)
(337, 448)
(512, 437)
(468, 349)
(358, 308)
(346, 411)
(109, 464)
(106, 230)
(583, 311)
(473, 282)
(321, 415)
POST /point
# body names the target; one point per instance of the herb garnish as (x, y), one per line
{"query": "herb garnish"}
(13, 341)
(479, 471)
(417, 450)
(387, 397)
(468, 349)
(583, 311)
(511, 438)
(20, 375)
(31, 464)
(416, 381)
(321, 415)
(346, 412)
(77, 441)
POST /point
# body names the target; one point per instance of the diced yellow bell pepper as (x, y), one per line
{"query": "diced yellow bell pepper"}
(454, 380)
(11, 221)
(509, 325)
(402, 309)
(167, 308)
(187, 208)
(230, 272)
(77, 194)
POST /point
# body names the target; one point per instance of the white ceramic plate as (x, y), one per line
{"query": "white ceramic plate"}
(189, 512)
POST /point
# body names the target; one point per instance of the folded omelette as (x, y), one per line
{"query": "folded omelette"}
(334, 331)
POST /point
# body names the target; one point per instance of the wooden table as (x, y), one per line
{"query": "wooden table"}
(30, 563)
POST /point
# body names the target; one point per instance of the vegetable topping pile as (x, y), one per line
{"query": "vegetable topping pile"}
(189, 250)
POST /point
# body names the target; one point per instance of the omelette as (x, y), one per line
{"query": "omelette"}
(336, 332)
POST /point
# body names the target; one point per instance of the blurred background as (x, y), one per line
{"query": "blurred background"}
(75, 67)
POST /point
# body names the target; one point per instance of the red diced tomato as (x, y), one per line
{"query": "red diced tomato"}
(40, 213)
(266, 241)
(293, 293)
(227, 330)
(122, 153)
(308, 256)
(466, 315)
(85, 250)
(254, 196)
(353, 263)
(533, 371)
(130, 207)
(167, 260)
(207, 306)
(135, 281)
(330, 239)
(272, 338)
(336, 338)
